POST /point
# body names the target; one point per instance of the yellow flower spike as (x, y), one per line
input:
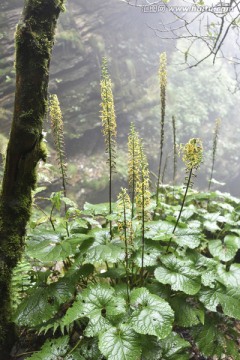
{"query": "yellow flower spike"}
(124, 216)
(143, 194)
(133, 162)
(56, 119)
(192, 153)
(109, 127)
(125, 228)
(192, 156)
(162, 74)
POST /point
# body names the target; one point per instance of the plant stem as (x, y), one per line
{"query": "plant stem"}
(50, 218)
(143, 232)
(110, 180)
(75, 347)
(180, 212)
(126, 249)
(174, 150)
(133, 181)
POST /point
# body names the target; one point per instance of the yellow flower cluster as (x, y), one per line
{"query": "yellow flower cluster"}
(163, 70)
(143, 194)
(192, 153)
(56, 119)
(133, 157)
(108, 111)
(124, 216)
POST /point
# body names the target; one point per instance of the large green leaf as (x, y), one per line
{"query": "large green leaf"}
(49, 246)
(101, 253)
(79, 226)
(52, 349)
(225, 250)
(152, 253)
(231, 277)
(43, 302)
(100, 304)
(187, 237)
(162, 230)
(152, 315)
(180, 274)
(228, 298)
(120, 344)
(159, 230)
(187, 311)
(97, 209)
(211, 226)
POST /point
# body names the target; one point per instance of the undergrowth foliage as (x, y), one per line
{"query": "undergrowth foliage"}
(161, 284)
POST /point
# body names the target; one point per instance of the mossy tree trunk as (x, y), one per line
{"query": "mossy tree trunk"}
(34, 40)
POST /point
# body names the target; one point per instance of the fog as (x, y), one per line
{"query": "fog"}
(132, 36)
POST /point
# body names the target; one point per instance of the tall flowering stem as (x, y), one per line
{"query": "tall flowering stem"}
(174, 150)
(162, 73)
(192, 156)
(214, 148)
(143, 196)
(109, 126)
(133, 163)
(125, 228)
(56, 119)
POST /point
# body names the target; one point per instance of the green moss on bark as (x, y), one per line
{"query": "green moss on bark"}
(34, 41)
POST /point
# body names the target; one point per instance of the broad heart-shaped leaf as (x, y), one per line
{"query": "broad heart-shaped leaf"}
(120, 343)
(152, 315)
(227, 297)
(152, 252)
(187, 312)
(49, 246)
(102, 249)
(187, 237)
(225, 250)
(162, 230)
(213, 341)
(100, 304)
(101, 253)
(178, 273)
(174, 347)
(231, 277)
(159, 230)
(97, 209)
(43, 302)
(52, 349)
(211, 226)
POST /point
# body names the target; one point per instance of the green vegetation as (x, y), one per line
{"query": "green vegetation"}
(131, 279)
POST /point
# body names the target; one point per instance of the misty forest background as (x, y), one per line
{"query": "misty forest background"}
(87, 31)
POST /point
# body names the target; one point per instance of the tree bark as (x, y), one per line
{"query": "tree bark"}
(34, 41)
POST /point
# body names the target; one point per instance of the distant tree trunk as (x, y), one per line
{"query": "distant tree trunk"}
(34, 40)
